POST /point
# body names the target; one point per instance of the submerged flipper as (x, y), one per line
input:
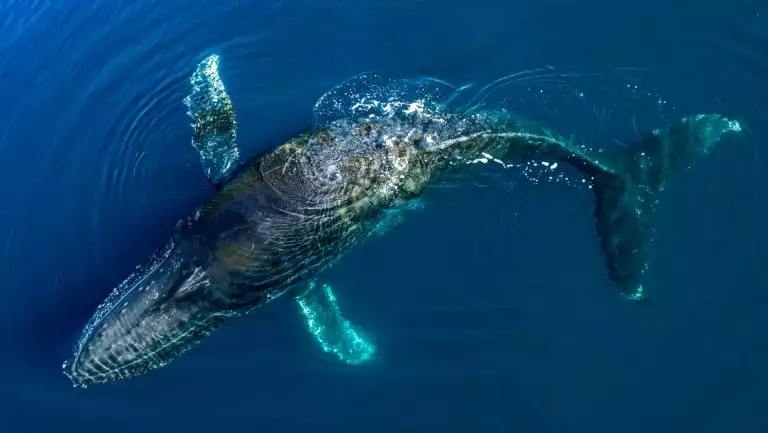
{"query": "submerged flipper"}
(213, 122)
(395, 216)
(334, 332)
(627, 182)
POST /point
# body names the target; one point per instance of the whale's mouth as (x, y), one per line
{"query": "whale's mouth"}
(152, 344)
(148, 320)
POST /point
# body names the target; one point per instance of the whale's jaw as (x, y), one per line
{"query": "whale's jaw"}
(149, 320)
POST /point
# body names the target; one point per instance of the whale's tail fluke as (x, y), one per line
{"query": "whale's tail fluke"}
(627, 182)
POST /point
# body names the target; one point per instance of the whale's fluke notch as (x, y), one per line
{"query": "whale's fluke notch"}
(627, 183)
(213, 122)
(330, 328)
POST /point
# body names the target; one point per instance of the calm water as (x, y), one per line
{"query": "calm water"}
(491, 307)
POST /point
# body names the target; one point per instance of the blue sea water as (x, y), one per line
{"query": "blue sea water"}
(491, 307)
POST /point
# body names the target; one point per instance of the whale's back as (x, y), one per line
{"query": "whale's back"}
(292, 211)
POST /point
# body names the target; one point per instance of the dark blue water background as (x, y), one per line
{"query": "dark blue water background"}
(491, 307)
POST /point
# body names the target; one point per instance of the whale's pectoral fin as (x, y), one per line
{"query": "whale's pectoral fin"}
(395, 216)
(330, 328)
(627, 184)
(213, 122)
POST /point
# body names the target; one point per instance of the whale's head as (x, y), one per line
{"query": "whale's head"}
(156, 314)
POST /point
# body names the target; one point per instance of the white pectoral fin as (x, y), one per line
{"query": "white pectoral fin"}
(331, 329)
(213, 121)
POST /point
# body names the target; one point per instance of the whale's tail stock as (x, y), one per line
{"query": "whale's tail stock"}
(627, 183)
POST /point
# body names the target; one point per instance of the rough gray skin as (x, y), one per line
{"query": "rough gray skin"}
(291, 212)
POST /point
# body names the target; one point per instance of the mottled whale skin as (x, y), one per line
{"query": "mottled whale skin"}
(287, 214)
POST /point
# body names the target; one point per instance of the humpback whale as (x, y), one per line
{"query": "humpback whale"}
(280, 218)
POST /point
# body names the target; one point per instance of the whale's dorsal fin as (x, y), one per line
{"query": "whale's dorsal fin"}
(330, 328)
(213, 122)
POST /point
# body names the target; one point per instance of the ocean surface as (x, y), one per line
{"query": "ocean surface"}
(491, 307)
